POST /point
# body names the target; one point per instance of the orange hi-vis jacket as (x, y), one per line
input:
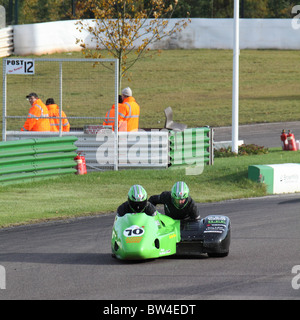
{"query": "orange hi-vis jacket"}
(37, 119)
(122, 115)
(53, 111)
(133, 114)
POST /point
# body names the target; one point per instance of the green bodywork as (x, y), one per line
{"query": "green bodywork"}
(139, 236)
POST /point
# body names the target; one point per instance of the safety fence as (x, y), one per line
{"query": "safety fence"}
(58, 36)
(192, 146)
(142, 149)
(36, 159)
(83, 88)
(6, 41)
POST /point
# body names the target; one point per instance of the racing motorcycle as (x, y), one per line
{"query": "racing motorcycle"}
(137, 236)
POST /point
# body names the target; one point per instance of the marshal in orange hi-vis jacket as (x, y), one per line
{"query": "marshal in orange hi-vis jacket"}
(38, 118)
(122, 114)
(133, 114)
(53, 111)
(128, 113)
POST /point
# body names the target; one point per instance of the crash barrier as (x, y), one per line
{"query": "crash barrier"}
(191, 147)
(35, 159)
(6, 41)
(59, 36)
(278, 178)
(141, 149)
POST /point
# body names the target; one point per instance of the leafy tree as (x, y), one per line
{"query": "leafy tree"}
(125, 28)
(224, 8)
(255, 9)
(280, 8)
(34, 11)
(195, 8)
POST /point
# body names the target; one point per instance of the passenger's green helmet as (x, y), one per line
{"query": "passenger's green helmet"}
(180, 193)
(137, 198)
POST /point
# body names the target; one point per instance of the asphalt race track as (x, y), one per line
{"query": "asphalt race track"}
(261, 134)
(72, 259)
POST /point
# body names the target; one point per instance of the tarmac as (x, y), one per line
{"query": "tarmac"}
(261, 134)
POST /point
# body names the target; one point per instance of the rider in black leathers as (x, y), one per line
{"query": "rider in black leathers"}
(177, 203)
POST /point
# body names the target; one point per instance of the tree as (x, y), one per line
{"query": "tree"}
(124, 29)
(36, 11)
(255, 8)
(195, 8)
(280, 8)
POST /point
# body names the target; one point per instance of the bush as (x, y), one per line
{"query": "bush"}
(244, 150)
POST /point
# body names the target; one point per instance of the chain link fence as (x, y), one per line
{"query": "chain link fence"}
(83, 88)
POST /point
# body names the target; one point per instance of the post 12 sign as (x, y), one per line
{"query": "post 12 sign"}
(19, 66)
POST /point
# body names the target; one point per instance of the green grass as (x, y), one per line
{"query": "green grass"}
(102, 192)
(197, 84)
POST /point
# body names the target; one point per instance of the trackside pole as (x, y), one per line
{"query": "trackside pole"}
(60, 98)
(116, 132)
(235, 81)
(4, 90)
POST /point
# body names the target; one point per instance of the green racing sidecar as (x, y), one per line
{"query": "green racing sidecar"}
(137, 236)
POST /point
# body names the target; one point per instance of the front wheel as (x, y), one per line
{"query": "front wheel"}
(218, 255)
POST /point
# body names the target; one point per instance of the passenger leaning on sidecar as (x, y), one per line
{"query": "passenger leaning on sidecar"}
(137, 202)
(177, 203)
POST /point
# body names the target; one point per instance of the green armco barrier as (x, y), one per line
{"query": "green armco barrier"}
(34, 146)
(33, 176)
(36, 159)
(191, 146)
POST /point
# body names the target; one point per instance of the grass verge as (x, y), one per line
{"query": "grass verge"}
(102, 192)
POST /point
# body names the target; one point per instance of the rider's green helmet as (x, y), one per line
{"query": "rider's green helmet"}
(137, 198)
(180, 193)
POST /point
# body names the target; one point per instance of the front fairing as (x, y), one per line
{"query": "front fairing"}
(139, 236)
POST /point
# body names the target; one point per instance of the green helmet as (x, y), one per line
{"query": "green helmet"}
(137, 198)
(180, 193)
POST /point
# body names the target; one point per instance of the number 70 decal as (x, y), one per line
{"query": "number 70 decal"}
(133, 231)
